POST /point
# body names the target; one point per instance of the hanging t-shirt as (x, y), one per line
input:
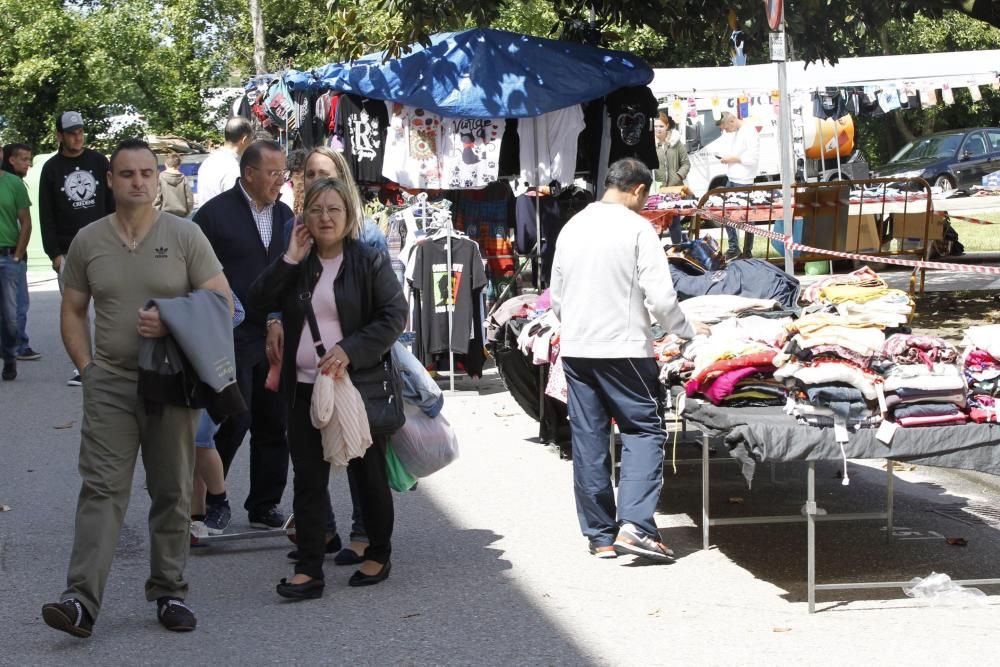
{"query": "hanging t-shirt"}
(632, 111)
(413, 147)
(588, 146)
(470, 157)
(510, 150)
(440, 293)
(362, 124)
(549, 146)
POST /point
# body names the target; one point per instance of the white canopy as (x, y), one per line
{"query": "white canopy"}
(958, 69)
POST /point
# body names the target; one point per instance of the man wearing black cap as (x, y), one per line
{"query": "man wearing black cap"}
(72, 193)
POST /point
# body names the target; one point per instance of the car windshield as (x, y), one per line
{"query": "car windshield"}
(938, 146)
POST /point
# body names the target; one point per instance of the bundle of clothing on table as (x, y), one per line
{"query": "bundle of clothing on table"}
(745, 199)
(924, 385)
(981, 366)
(734, 366)
(827, 363)
(670, 200)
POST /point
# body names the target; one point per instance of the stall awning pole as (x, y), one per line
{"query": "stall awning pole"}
(784, 139)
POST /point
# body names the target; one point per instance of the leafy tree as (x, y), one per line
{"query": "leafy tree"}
(102, 57)
(817, 29)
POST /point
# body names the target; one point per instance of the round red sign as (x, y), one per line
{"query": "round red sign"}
(774, 10)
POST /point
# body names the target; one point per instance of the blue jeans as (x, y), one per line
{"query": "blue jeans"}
(12, 274)
(629, 391)
(23, 301)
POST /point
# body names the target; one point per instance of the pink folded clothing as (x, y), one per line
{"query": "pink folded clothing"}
(726, 383)
(981, 415)
(931, 421)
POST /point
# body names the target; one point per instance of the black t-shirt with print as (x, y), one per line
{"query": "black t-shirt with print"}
(430, 277)
(72, 193)
(632, 111)
(362, 123)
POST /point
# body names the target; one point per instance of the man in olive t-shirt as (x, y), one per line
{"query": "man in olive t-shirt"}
(121, 262)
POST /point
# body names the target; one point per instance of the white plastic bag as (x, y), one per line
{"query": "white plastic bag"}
(940, 591)
(424, 445)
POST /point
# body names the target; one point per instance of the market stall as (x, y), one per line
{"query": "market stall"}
(513, 131)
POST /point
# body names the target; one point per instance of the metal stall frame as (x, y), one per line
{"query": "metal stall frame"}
(812, 200)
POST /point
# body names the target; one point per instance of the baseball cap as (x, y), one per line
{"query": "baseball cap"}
(69, 120)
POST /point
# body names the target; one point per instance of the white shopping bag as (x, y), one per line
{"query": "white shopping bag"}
(424, 445)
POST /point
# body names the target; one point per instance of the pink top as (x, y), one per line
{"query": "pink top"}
(325, 307)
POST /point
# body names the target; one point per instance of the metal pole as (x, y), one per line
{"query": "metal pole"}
(450, 305)
(704, 492)
(889, 465)
(538, 265)
(785, 146)
(811, 537)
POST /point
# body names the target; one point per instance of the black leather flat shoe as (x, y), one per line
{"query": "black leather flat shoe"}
(309, 590)
(348, 556)
(359, 578)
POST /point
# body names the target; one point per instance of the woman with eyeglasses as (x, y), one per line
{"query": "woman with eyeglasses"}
(360, 311)
(321, 163)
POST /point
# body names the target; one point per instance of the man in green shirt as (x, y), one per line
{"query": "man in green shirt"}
(15, 230)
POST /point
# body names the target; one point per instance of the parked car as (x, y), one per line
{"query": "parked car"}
(948, 160)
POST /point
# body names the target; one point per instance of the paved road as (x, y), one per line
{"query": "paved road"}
(489, 567)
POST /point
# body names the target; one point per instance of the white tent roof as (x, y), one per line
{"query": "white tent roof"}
(958, 69)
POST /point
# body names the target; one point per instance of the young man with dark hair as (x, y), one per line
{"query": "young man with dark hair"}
(246, 227)
(121, 262)
(72, 193)
(610, 281)
(17, 161)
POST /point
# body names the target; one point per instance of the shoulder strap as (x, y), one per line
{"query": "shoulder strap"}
(306, 299)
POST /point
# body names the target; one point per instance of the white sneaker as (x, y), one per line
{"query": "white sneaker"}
(199, 529)
(631, 541)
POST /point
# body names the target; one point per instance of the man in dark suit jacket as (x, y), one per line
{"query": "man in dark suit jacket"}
(246, 226)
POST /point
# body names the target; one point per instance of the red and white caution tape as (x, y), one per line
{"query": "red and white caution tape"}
(883, 259)
(975, 221)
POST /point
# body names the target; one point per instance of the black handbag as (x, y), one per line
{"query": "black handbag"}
(380, 386)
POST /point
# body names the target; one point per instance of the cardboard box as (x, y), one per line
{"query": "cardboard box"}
(911, 226)
(865, 240)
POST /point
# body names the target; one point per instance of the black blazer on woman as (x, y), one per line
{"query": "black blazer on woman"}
(369, 302)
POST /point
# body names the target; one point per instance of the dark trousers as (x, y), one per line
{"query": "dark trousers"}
(312, 474)
(266, 420)
(358, 532)
(734, 239)
(629, 391)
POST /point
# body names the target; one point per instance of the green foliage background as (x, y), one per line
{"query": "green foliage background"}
(158, 57)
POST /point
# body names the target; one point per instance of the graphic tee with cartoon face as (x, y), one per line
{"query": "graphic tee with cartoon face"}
(632, 111)
(413, 147)
(471, 153)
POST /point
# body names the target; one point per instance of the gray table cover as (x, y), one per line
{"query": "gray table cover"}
(756, 435)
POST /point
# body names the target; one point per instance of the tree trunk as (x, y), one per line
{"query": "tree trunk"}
(257, 22)
(897, 117)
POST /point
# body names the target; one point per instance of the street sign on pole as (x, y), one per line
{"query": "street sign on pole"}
(776, 21)
(774, 14)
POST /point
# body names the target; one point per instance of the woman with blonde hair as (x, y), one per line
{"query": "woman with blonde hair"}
(360, 312)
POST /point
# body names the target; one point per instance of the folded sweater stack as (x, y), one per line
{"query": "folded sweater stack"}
(981, 365)
(924, 386)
